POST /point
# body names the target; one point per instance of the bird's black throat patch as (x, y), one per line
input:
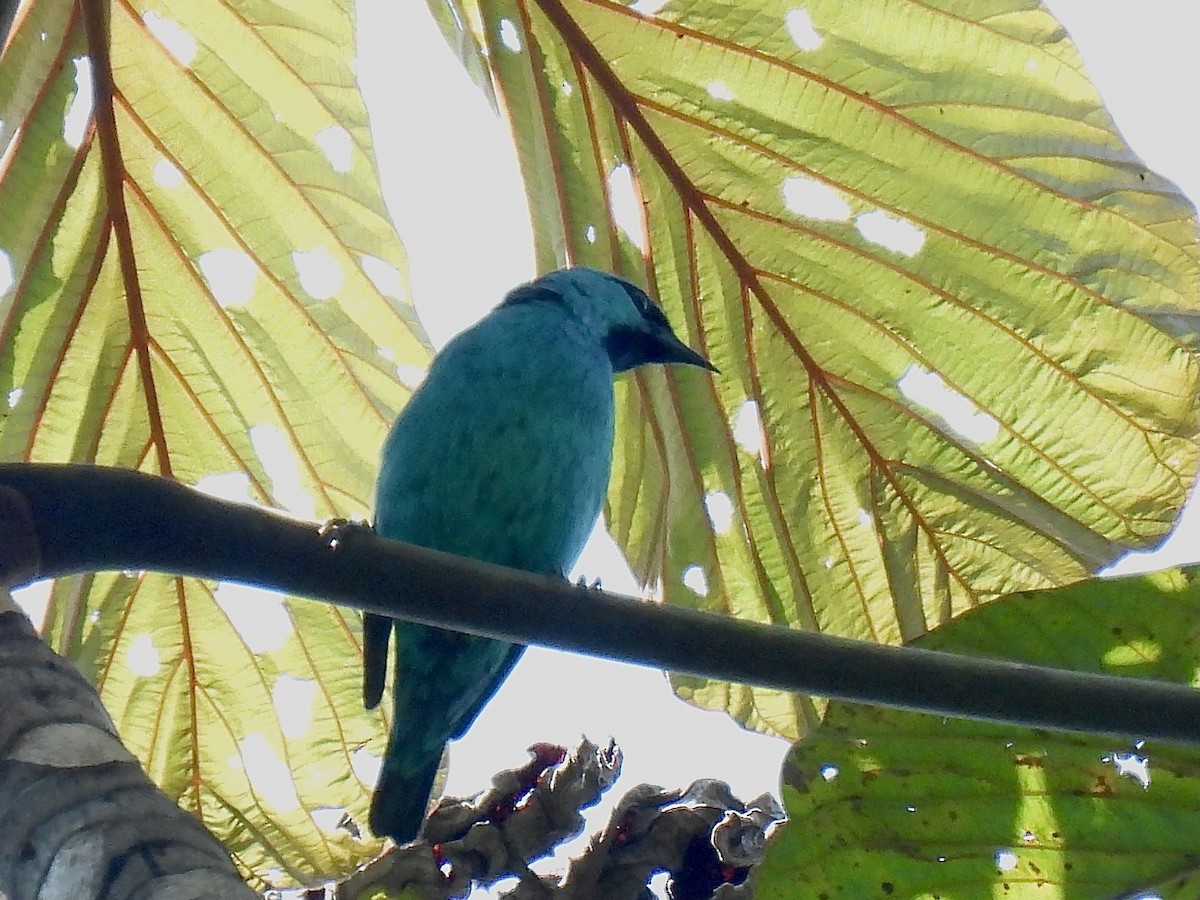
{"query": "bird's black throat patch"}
(628, 348)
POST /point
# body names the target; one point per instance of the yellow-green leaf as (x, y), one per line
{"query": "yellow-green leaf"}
(206, 286)
(940, 288)
(892, 803)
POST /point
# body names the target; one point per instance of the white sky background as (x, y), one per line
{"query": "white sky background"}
(452, 184)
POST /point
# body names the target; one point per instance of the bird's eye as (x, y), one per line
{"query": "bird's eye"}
(642, 302)
(531, 293)
(655, 315)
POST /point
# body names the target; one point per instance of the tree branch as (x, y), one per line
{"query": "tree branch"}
(89, 518)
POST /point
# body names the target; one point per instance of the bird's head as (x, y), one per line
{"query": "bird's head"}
(619, 314)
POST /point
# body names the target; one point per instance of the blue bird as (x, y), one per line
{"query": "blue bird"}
(503, 455)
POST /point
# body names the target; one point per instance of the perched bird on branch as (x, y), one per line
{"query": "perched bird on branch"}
(503, 455)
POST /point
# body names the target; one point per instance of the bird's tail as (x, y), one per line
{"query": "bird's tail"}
(398, 806)
(377, 633)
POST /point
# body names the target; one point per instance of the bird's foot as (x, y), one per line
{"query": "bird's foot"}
(583, 582)
(336, 531)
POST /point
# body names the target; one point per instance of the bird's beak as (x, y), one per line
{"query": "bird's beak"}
(676, 351)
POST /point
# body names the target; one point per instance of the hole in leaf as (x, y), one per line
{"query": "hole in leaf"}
(270, 778)
(1006, 860)
(1131, 765)
(383, 275)
(320, 274)
(695, 580)
(167, 175)
(929, 391)
(891, 233)
(142, 657)
(177, 39)
(648, 7)
(293, 699)
(258, 616)
(567, 89)
(626, 205)
(748, 431)
(814, 199)
(14, 397)
(589, 234)
(718, 90)
(720, 510)
(335, 143)
(283, 468)
(509, 36)
(800, 27)
(829, 771)
(79, 112)
(230, 274)
(6, 273)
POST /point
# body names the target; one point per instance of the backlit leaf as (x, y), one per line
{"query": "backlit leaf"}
(206, 286)
(946, 299)
(883, 802)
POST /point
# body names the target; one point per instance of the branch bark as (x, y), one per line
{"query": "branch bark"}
(88, 518)
(81, 818)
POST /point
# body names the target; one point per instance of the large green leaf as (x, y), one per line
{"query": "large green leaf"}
(206, 286)
(891, 803)
(939, 286)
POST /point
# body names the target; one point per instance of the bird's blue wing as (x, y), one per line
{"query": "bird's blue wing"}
(502, 455)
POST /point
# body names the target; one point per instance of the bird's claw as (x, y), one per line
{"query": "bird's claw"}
(590, 585)
(337, 530)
